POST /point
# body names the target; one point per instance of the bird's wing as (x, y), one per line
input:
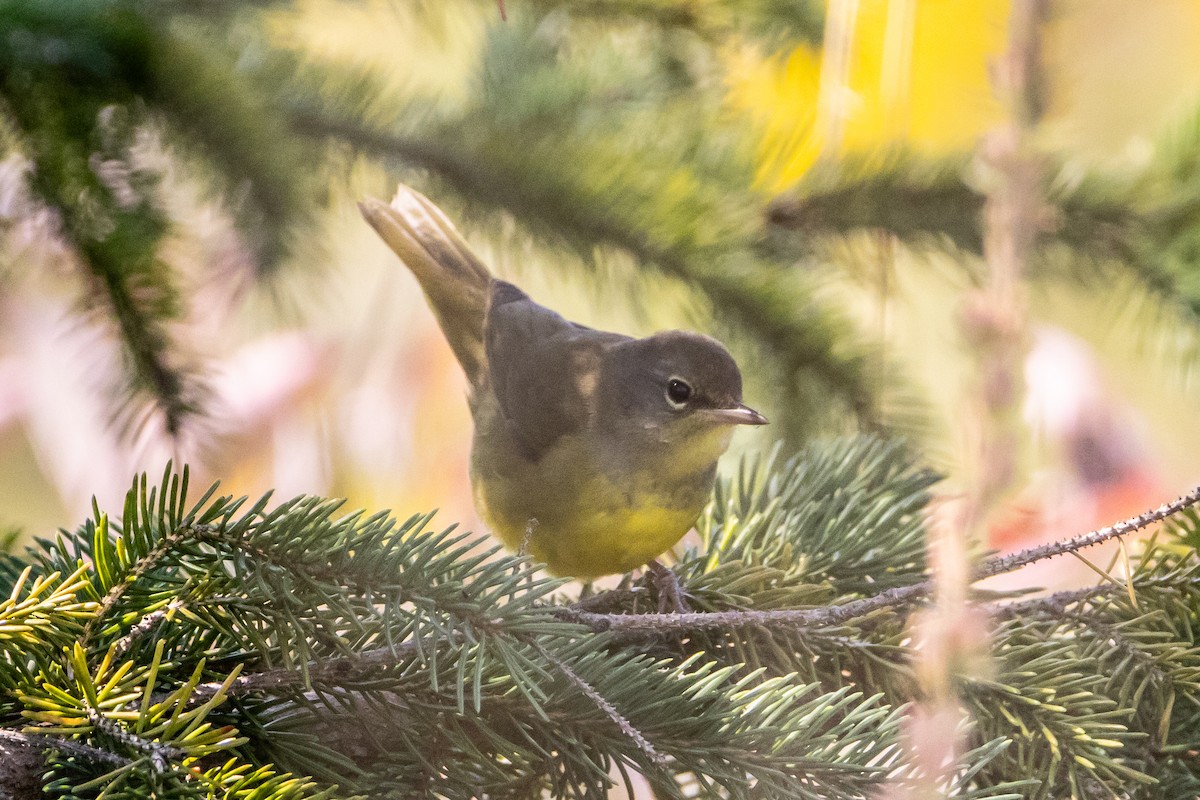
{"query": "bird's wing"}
(543, 368)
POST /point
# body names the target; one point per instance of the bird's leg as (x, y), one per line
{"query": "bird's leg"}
(666, 582)
(531, 526)
(586, 591)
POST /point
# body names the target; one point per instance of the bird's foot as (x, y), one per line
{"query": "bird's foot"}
(666, 584)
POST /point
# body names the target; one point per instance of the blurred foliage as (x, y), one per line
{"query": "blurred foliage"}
(1140, 225)
(628, 93)
(79, 82)
(597, 126)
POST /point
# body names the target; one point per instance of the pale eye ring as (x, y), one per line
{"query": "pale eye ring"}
(679, 392)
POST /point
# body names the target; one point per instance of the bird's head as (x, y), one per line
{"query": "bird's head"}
(678, 388)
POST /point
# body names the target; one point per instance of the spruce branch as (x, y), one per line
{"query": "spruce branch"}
(329, 672)
(1136, 227)
(1055, 603)
(104, 99)
(145, 626)
(62, 106)
(920, 202)
(603, 704)
(145, 563)
(733, 620)
(378, 656)
(43, 607)
(159, 755)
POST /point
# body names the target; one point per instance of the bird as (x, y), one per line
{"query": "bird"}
(593, 452)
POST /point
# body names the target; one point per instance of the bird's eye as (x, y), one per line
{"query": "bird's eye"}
(678, 392)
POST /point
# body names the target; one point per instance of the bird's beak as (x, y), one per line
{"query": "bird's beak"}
(737, 415)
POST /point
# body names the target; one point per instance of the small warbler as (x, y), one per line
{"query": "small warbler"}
(593, 451)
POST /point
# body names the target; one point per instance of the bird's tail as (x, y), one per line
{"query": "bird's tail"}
(454, 280)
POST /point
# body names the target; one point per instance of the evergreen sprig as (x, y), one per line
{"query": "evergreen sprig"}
(224, 648)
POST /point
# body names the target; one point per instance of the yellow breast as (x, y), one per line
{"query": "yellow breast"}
(577, 518)
(586, 507)
(599, 530)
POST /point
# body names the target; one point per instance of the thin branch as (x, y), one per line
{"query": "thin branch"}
(146, 562)
(161, 755)
(74, 748)
(330, 672)
(144, 626)
(1056, 603)
(1009, 563)
(732, 620)
(602, 703)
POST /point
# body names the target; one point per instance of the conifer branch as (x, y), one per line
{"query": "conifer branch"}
(1059, 602)
(475, 679)
(159, 754)
(68, 746)
(602, 703)
(1056, 603)
(734, 620)
(139, 568)
(334, 671)
(144, 626)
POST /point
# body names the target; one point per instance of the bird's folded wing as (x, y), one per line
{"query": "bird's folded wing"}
(544, 369)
